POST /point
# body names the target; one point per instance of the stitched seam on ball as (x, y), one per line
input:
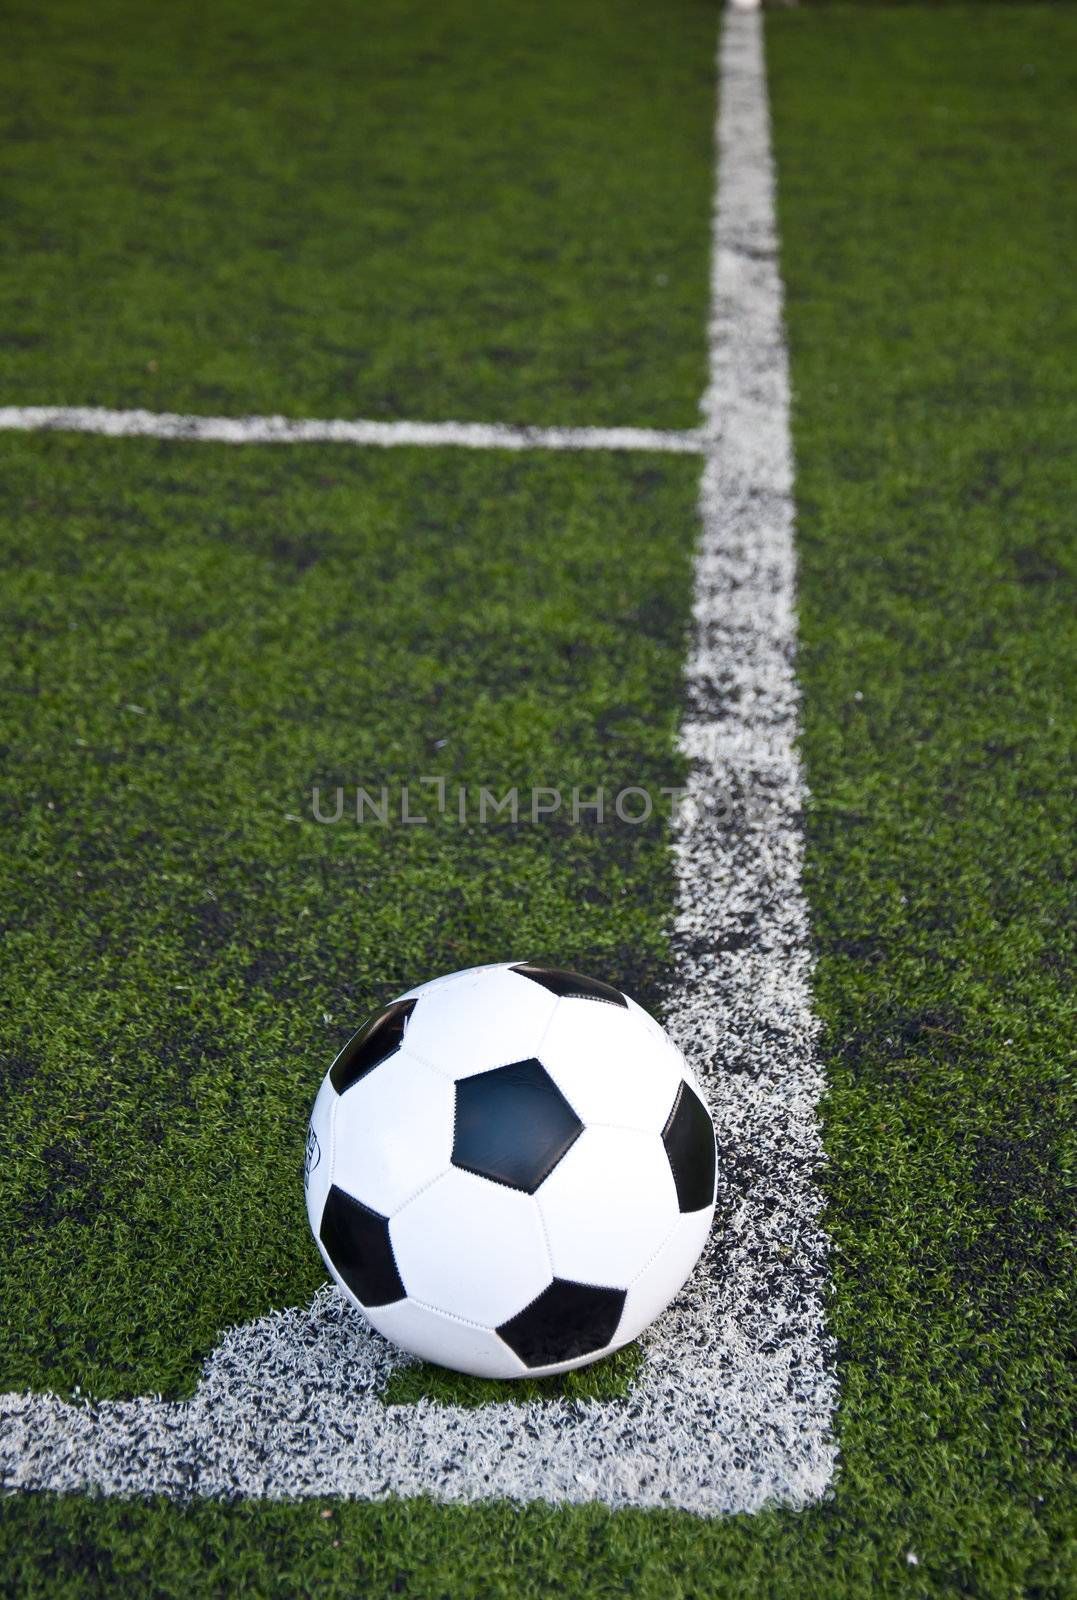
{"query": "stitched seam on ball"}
(389, 1227)
(513, 1060)
(423, 1187)
(676, 1104)
(332, 1141)
(430, 1066)
(555, 1369)
(504, 1183)
(549, 1024)
(425, 1061)
(455, 1119)
(561, 1154)
(652, 1259)
(580, 1283)
(545, 1235)
(428, 1061)
(466, 1322)
(627, 1127)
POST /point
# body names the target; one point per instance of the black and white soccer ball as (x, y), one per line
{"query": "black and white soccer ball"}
(510, 1170)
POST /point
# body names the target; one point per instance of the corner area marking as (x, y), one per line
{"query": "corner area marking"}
(734, 1404)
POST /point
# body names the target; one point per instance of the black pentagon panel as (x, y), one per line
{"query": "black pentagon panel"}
(567, 1320)
(689, 1140)
(512, 1125)
(571, 985)
(379, 1038)
(356, 1240)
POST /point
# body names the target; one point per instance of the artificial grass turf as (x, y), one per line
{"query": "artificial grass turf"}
(475, 210)
(201, 637)
(922, 160)
(919, 158)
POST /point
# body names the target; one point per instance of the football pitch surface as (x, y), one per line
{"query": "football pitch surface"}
(504, 217)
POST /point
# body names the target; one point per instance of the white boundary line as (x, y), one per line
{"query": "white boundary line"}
(733, 1409)
(382, 435)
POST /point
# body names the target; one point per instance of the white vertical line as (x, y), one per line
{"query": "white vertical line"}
(742, 1005)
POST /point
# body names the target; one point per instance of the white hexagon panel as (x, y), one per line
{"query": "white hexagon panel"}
(393, 1133)
(620, 1181)
(489, 1016)
(663, 1277)
(611, 1066)
(471, 1248)
(448, 1342)
(509, 1170)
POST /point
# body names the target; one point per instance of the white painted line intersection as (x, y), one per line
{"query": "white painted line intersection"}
(734, 1405)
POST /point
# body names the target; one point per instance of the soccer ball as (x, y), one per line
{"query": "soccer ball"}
(510, 1171)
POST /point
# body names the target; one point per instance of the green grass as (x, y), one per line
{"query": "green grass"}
(203, 635)
(922, 158)
(476, 210)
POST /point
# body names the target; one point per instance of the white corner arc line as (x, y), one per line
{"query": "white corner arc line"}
(733, 1409)
(312, 430)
